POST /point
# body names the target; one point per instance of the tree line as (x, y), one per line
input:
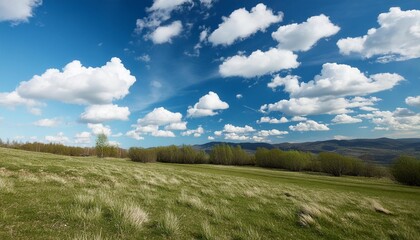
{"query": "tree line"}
(105, 150)
(405, 170)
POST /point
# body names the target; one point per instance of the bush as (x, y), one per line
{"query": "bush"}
(142, 155)
(406, 170)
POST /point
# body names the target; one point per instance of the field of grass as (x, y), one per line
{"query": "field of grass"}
(45, 196)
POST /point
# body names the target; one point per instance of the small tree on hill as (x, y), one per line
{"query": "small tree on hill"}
(101, 144)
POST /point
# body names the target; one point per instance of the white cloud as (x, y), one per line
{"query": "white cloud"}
(316, 106)
(298, 119)
(59, 138)
(159, 117)
(167, 5)
(258, 63)
(177, 126)
(280, 81)
(207, 105)
(229, 128)
(309, 125)
(272, 120)
(83, 138)
(13, 99)
(163, 133)
(17, 10)
(413, 101)
(99, 128)
(401, 119)
(242, 24)
(340, 137)
(218, 133)
(195, 132)
(236, 137)
(135, 135)
(345, 119)
(340, 80)
(80, 85)
(47, 122)
(117, 134)
(396, 39)
(272, 132)
(239, 96)
(103, 113)
(164, 34)
(210, 138)
(207, 3)
(303, 36)
(151, 123)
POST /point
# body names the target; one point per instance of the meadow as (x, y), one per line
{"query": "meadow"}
(45, 196)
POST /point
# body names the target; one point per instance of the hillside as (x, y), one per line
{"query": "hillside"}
(46, 196)
(381, 150)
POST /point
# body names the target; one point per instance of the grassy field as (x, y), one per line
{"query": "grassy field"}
(45, 196)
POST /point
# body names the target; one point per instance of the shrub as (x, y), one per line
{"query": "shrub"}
(334, 163)
(406, 170)
(142, 155)
(228, 155)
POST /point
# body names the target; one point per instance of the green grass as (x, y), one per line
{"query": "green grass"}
(45, 196)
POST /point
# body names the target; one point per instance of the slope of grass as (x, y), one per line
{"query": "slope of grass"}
(45, 196)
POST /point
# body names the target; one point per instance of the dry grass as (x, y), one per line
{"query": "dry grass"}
(169, 224)
(134, 215)
(379, 208)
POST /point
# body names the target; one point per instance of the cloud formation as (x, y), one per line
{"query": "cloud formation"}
(242, 24)
(396, 39)
(207, 105)
(309, 125)
(80, 85)
(303, 36)
(164, 34)
(103, 113)
(17, 10)
(259, 63)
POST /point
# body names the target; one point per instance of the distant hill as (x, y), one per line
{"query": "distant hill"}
(381, 150)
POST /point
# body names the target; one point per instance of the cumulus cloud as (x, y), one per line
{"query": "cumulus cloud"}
(236, 137)
(80, 85)
(135, 135)
(401, 119)
(164, 34)
(396, 39)
(278, 81)
(272, 132)
(176, 126)
(303, 36)
(46, 122)
(242, 24)
(103, 113)
(345, 119)
(59, 138)
(309, 125)
(339, 80)
(272, 120)
(258, 63)
(99, 128)
(83, 138)
(207, 105)
(316, 106)
(13, 99)
(229, 128)
(160, 117)
(195, 132)
(239, 96)
(413, 101)
(17, 10)
(167, 5)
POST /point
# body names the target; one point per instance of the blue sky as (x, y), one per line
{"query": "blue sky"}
(163, 72)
